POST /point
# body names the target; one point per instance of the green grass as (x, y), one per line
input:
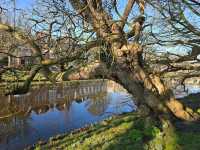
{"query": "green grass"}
(118, 133)
(126, 131)
(10, 81)
(123, 132)
(189, 140)
(20, 76)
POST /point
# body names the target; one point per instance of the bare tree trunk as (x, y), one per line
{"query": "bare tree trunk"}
(152, 97)
(24, 88)
(148, 89)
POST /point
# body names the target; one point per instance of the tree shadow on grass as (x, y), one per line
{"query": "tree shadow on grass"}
(188, 134)
(191, 101)
(123, 132)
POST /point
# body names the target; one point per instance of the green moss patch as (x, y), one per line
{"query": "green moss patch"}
(126, 131)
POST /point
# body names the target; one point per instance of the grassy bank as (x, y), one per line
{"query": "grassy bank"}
(127, 131)
(114, 133)
(35, 84)
(189, 140)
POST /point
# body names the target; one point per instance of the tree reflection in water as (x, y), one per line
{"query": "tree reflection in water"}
(49, 110)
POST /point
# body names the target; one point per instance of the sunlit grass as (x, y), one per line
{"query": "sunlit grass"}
(109, 134)
(123, 132)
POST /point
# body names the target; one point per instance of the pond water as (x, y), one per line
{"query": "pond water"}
(47, 111)
(181, 92)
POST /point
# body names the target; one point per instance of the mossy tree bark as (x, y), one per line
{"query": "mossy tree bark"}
(128, 63)
(127, 69)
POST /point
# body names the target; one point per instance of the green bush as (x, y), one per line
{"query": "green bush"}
(136, 135)
(151, 131)
(4, 60)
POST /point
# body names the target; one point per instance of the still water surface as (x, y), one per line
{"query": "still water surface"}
(48, 111)
(180, 92)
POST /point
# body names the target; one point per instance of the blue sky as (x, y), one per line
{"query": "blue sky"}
(24, 3)
(27, 4)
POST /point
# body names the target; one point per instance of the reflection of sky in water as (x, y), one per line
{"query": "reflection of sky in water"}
(35, 126)
(42, 124)
(189, 89)
(120, 102)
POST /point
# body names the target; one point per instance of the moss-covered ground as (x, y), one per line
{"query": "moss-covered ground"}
(124, 132)
(118, 133)
(127, 131)
(189, 140)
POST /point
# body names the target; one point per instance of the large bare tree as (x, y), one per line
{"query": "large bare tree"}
(94, 21)
(126, 51)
